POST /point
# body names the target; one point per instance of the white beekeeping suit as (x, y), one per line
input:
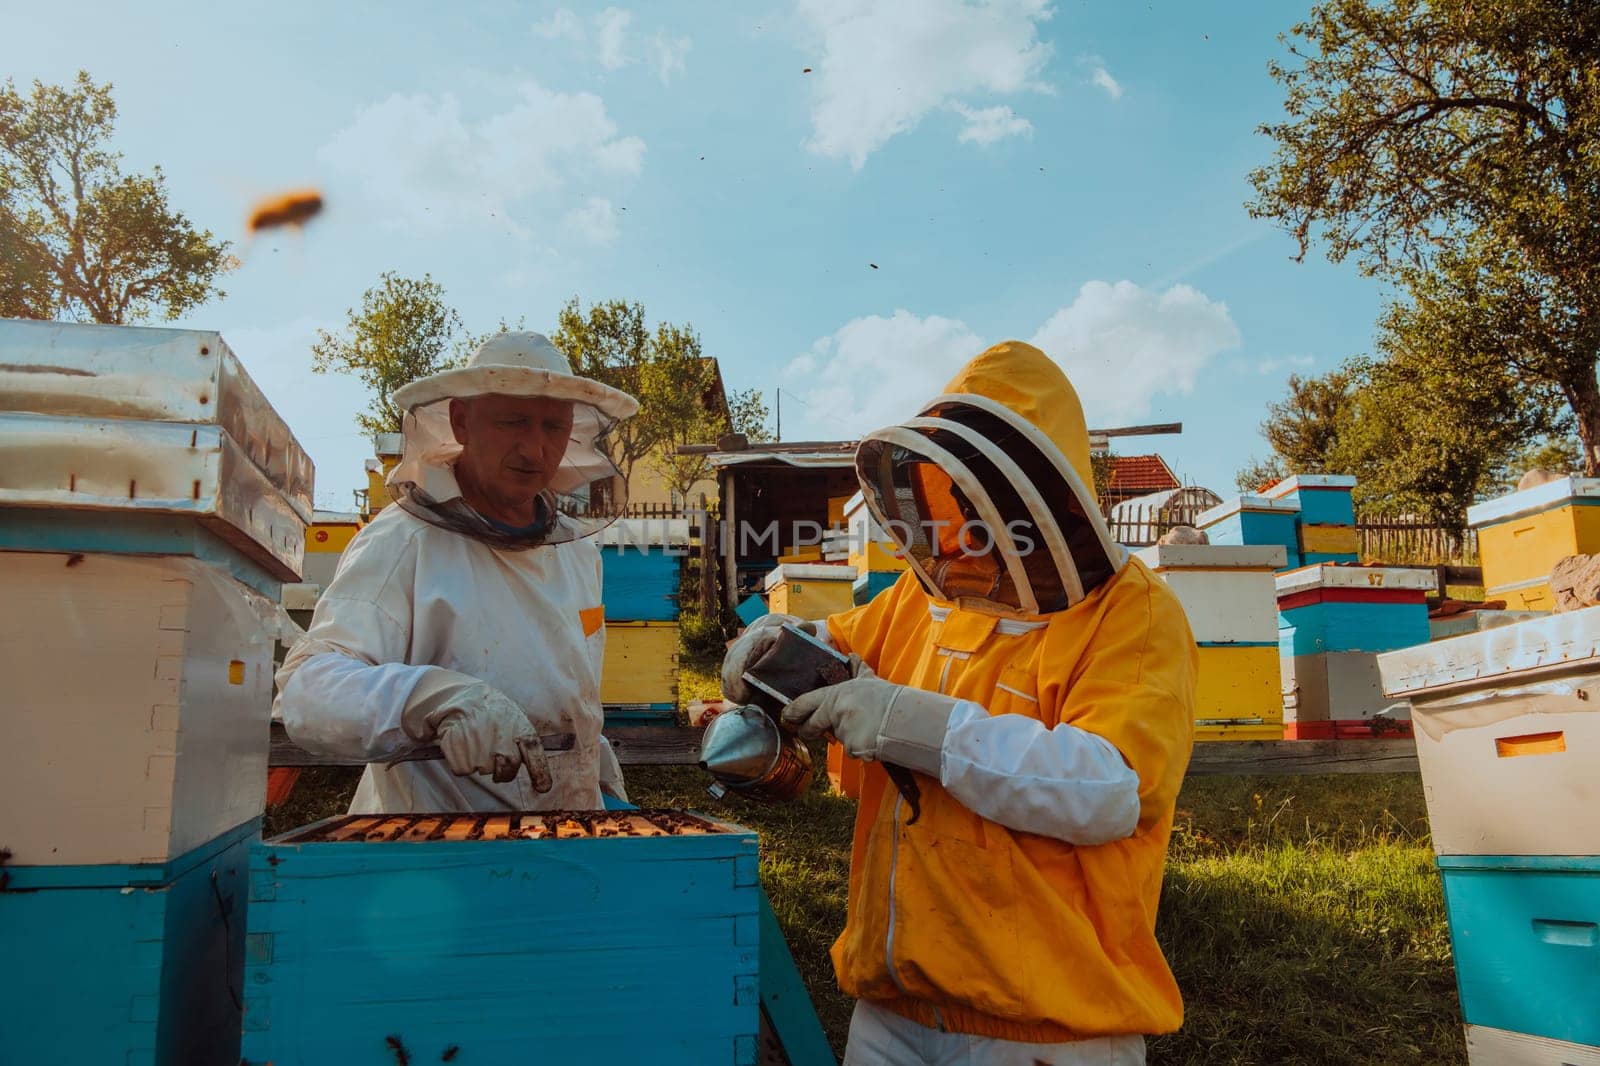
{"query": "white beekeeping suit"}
(439, 613)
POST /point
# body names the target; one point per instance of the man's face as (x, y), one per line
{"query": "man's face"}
(511, 446)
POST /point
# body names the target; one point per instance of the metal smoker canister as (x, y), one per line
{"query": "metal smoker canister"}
(746, 751)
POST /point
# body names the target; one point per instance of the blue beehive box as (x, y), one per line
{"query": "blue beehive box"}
(618, 936)
(1344, 609)
(640, 584)
(1337, 558)
(869, 584)
(1255, 520)
(1523, 932)
(1321, 499)
(127, 964)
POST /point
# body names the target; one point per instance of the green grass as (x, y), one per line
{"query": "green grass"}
(1302, 915)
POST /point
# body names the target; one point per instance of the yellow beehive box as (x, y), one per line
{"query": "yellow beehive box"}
(810, 590)
(870, 548)
(641, 664)
(328, 535)
(810, 553)
(1329, 540)
(836, 510)
(1522, 535)
(1239, 695)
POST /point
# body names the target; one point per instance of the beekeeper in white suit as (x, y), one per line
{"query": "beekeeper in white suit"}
(469, 614)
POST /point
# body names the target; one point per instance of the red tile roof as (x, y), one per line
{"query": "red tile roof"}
(1135, 475)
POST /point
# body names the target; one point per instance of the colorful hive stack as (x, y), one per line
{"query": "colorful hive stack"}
(1326, 528)
(871, 552)
(1228, 593)
(1523, 535)
(1332, 622)
(1508, 738)
(624, 936)
(151, 505)
(1256, 521)
(642, 560)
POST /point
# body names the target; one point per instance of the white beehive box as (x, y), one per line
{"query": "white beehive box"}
(1227, 590)
(151, 422)
(1507, 723)
(137, 698)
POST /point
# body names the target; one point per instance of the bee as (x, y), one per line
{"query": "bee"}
(288, 209)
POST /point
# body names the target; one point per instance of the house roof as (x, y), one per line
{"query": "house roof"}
(1135, 475)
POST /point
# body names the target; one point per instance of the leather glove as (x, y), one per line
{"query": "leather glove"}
(874, 719)
(477, 730)
(749, 646)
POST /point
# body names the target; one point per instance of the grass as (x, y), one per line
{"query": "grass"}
(1302, 915)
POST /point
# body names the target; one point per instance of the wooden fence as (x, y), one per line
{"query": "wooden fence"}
(1139, 527)
(1414, 543)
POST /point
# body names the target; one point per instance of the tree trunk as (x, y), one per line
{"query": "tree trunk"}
(1584, 395)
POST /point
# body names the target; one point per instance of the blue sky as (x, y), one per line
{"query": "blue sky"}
(1072, 174)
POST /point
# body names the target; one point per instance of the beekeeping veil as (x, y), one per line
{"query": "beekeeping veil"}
(988, 491)
(587, 492)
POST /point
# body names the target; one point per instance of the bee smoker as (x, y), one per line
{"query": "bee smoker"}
(748, 749)
(751, 751)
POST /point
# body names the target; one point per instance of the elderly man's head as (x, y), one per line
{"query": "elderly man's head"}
(511, 448)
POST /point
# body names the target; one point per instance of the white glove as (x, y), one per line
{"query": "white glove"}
(874, 719)
(477, 730)
(748, 647)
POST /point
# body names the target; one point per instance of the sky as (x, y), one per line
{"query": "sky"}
(847, 199)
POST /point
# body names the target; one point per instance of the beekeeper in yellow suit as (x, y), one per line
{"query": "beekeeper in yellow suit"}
(1041, 685)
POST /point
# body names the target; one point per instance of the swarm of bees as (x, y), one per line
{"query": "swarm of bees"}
(287, 209)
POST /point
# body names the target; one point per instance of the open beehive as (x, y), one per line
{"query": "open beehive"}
(546, 825)
(506, 936)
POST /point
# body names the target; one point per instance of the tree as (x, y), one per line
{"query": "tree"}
(1451, 146)
(1259, 474)
(749, 415)
(403, 331)
(745, 414)
(1304, 428)
(78, 238)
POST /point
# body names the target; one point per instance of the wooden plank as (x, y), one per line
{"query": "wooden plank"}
(647, 745)
(1387, 755)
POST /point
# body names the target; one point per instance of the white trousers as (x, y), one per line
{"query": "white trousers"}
(881, 1038)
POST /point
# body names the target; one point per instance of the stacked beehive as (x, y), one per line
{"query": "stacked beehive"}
(1332, 623)
(642, 560)
(871, 553)
(151, 503)
(1229, 595)
(1326, 527)
(1522, 535)
(1508, 738)
(627, 936)
(1257, 521)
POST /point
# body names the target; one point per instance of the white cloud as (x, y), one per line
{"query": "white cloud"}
(595, 221)
(667, 56)
(1121, 345)
(884, 64)
(1102, 77)
(841, 379)
(561, 25)
(1288, 362)
(418, 162)
(611, 37)
(991, 124)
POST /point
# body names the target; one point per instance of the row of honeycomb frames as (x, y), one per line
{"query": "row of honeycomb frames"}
(543, 825)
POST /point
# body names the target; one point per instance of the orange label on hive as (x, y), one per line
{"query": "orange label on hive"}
(235, 672)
